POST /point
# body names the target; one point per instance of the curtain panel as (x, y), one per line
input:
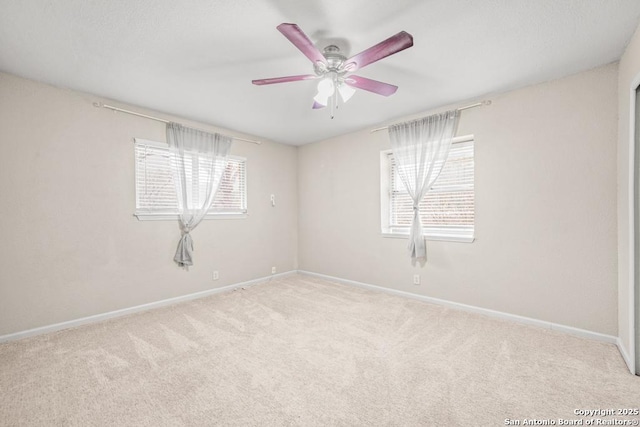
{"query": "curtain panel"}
(198, 160)
(420, 148)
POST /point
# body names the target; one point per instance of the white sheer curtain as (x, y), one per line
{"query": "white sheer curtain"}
(198, 160)
(420, 149)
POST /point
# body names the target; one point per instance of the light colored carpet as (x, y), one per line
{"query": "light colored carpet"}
(303, 351)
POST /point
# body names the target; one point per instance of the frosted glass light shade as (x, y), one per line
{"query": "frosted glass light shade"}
(322, 99)
(346, 92)
(326, 87)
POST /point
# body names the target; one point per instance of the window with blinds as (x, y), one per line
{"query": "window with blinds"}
(155, 191)
(447, 211)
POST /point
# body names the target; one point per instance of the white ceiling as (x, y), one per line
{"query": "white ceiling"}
(196, 58)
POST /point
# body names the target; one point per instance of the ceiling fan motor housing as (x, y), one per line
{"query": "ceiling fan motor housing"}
(335, 61)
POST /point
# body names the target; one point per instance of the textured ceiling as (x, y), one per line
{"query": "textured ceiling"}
(196, 58)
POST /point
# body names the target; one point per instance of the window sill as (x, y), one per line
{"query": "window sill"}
(441, 238)
(170, 217)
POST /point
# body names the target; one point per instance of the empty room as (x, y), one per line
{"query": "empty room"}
(319, 213)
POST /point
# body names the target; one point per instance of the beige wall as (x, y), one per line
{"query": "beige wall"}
(70, 246)
(629, 72)
(545, 208)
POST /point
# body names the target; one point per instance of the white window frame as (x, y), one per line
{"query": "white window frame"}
(430, 233)
(143, 215)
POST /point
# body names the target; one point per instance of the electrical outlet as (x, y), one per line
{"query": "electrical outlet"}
(273, 200)
(416, 279)
(273, 270)
(215, 275)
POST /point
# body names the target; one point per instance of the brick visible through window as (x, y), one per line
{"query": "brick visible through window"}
(155, 191)
(448, 209)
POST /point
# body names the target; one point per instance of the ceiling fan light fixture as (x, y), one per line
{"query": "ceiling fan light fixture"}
(326, 87)
(346, 92)
(321, 99)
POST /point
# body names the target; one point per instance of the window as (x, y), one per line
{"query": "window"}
(447, 211)
(156, 195)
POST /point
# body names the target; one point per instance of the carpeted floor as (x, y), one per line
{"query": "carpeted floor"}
(300, 351)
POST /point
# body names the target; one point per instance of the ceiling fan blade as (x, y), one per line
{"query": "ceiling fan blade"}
(393, 44)
(287, 79)
(302, 42)
(371, 85)
(317, 105)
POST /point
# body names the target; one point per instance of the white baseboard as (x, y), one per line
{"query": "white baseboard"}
(627, 358)
(125, 311)
(470, 308)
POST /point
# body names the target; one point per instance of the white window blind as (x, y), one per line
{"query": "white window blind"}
(155, 191)
(448, 209)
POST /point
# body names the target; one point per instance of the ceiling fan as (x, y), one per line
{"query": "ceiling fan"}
(334, 69)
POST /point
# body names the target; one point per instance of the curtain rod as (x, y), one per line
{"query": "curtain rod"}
(110, 107)
(466, 107)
